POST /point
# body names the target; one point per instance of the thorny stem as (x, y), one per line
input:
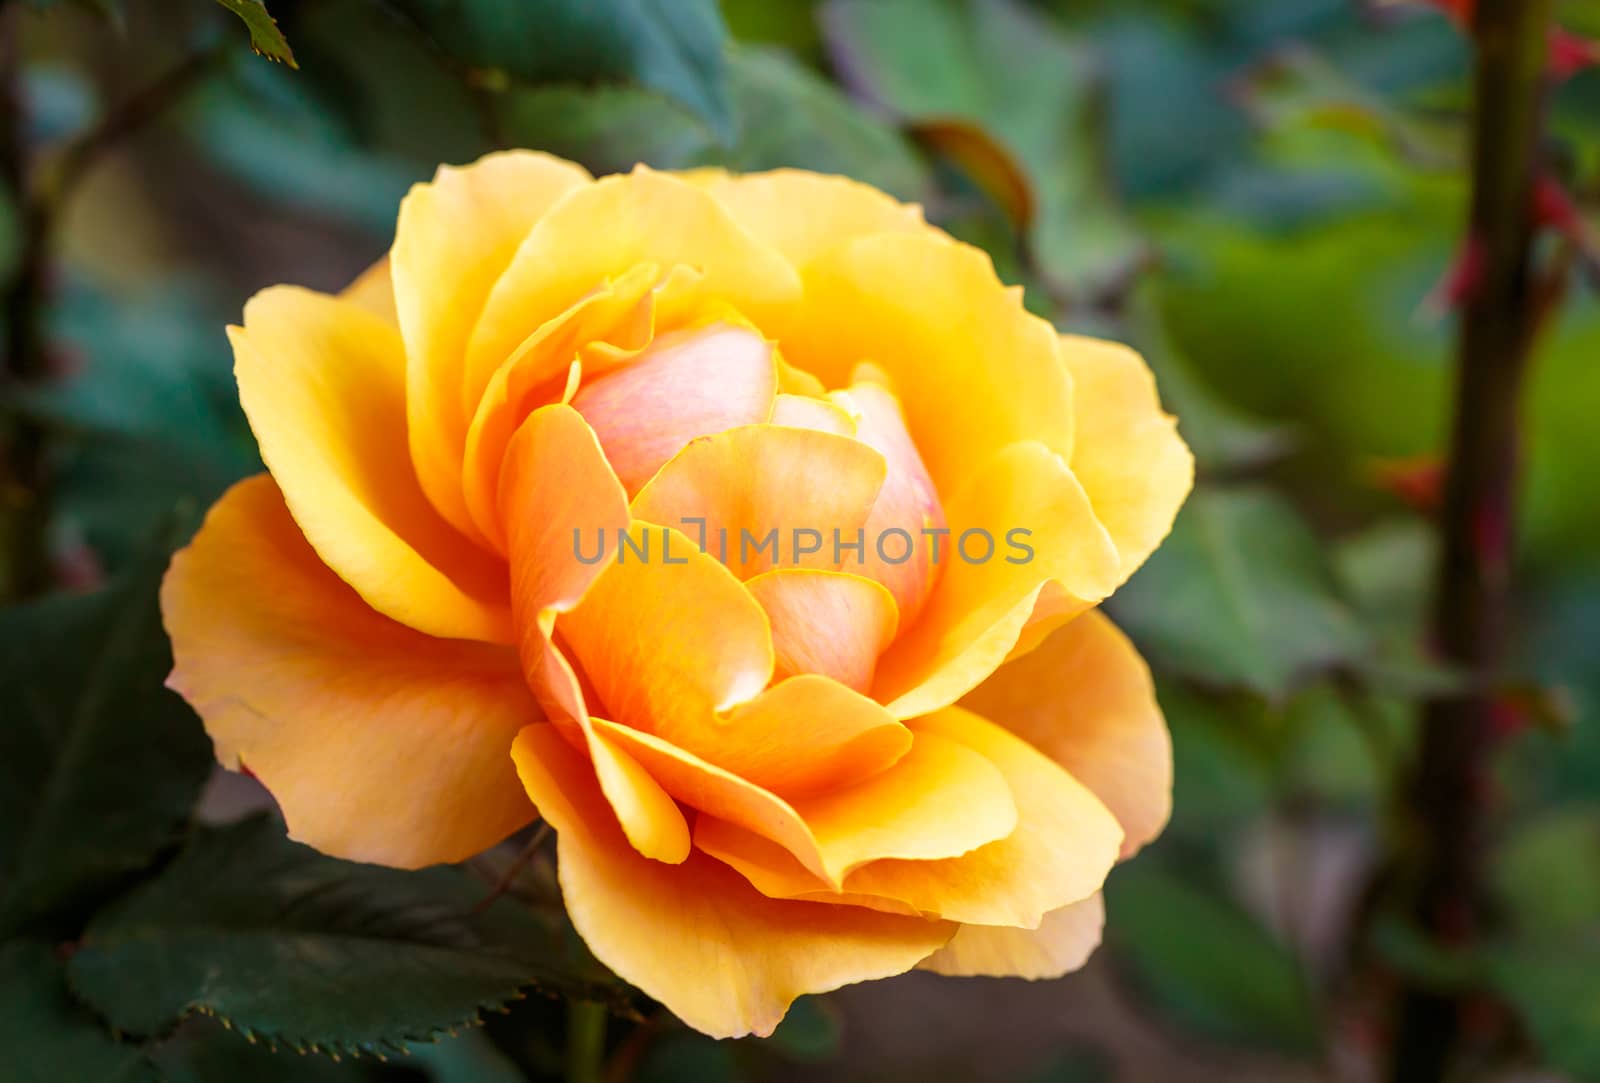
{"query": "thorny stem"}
(1446, 800)
(39, 192)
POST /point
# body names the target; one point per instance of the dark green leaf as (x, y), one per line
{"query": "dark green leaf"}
(265, 37)
(149, 424)
(1555, 992)
(302, 949)
(785, 116)
(671, 46)
(268, 129)
(608, 129)
(1240, 594)
(204, 1051)
(1011, 97)
(1208, 962)
(45, 1037)
(788, 116)
(102, 763)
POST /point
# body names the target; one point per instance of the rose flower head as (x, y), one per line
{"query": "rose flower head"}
(746, 529)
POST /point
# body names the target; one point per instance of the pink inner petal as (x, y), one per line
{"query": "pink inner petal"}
(685, 385)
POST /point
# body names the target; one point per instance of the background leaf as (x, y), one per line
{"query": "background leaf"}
(674, 47)
(1208, 962)
(47, 1038)
(1240, 594)
(102, 764)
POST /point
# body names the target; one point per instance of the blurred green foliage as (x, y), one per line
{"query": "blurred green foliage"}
(1262, 196)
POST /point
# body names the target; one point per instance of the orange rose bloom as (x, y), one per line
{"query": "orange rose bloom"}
(773, 769)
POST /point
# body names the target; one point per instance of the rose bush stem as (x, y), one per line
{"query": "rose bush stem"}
(40, 191)
(586, 1041)
(1445, 803)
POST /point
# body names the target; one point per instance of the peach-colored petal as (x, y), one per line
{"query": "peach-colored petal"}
(908, 561)
(648, 817)
(372, 291)
(1061, 944)
(613, 225)
(563, 508)
(380, 743)
(805, 733)
(769, 495)
(323, 384)
(1064, 843)
(454, 238)
(940, 799)
(825, 622)
(691, 384)
(973, 370)
(723, 958)
(542, 370)
(979, 607)
(667, 636)
(1128, 454)
(704, 786)
(1085, 699)
(804, 214)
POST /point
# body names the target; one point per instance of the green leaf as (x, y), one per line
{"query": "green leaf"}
(1240, 594)
(1555, 992)
(45, 1037)
(788, 116)
(607, 128)
(204, 1051)
(1209, 963)
(674, 47)
(1558, 847)
(294, 947)
(1010, 97)
(102, 763)
(784, 116)
(265, 37)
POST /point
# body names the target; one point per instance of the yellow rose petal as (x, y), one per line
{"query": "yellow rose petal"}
(379, 743)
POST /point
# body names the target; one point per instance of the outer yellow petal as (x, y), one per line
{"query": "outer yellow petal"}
(804, 214)
(380, 744)
(1085, 698)
(373, 291)
(1128, 454)
(1063, 845)
(973, 370)
(609, 227)
(453, 240)
(322, 382)
(1061, 944)
(722, 957)
(978, 609)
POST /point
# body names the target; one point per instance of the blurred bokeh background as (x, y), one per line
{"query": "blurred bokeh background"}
(1266, 197)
